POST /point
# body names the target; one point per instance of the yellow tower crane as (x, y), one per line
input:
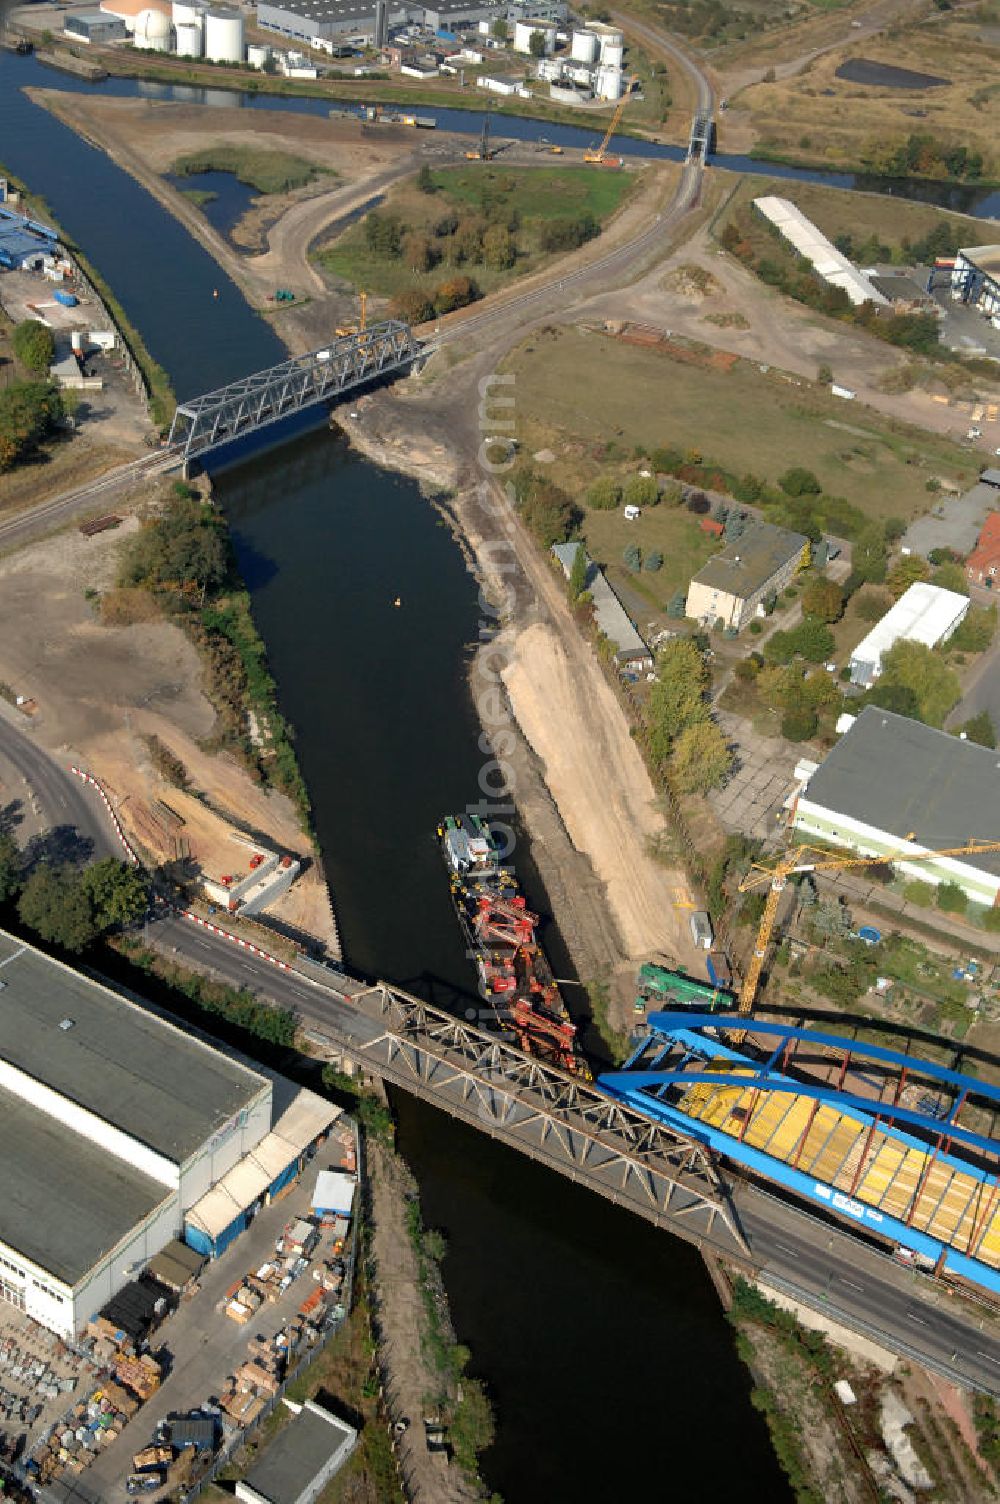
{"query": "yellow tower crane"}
(818, 859)
(358, 328)
(599, 155)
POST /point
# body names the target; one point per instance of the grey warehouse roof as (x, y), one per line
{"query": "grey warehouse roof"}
(66, 1203)
(122, 1063)
(900, 776)
(747, 564)
(986, 257)
(330, 10)
(296, 1456)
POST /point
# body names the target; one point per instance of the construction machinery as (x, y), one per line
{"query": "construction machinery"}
(485, 151)
(818, 859)
(358, 328)
(598, 156)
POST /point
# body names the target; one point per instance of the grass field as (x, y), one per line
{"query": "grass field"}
(540, 196)
(672, 531)
(818, 117)
(861, 215)
(578, 391)
(265, 171)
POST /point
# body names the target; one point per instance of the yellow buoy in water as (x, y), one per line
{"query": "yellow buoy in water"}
(215, 292)
(397, 601)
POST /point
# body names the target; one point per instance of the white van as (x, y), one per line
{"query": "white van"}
(631, 513)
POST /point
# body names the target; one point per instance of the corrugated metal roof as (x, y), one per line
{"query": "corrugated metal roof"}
(813, 245)
(924, 613)
(985, 257)
(609, 613)
(901, 777)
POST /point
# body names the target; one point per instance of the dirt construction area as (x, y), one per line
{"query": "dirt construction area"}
(146, 138)
(102, 691)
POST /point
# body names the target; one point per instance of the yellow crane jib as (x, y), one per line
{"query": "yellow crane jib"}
(599, 156)
(820, 859)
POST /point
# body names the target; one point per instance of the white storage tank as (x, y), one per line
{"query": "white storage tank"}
(189, 39)
(185, 14)
(608, 83)
(153, 31)
(258, 56)
(224, 36)
(612, 55)
(524, 29)
(585, 47)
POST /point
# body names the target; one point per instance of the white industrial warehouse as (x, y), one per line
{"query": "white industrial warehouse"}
(892, 785)
(975, 279)
(121, 1132)
(812, 245)
(924, 613)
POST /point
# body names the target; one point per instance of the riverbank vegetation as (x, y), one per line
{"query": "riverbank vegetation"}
(162, 400)
(182, 555)
(481, 225)
(266, 171)
(935, 124)
(66, 904)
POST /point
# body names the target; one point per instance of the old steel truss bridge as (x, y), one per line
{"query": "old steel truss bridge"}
(204, 423)
(561, 1122)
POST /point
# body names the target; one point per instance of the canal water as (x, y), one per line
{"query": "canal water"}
(982, 202)
(601, 1340)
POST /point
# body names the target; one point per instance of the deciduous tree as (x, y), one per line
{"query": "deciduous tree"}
(701, 758)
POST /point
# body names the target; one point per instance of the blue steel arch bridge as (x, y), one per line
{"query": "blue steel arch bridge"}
(902, 1147)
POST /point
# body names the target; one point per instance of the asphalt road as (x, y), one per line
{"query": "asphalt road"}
(38, 793)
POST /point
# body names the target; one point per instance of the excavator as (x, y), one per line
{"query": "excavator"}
(598, 156)
(484, 152)
(360, 327)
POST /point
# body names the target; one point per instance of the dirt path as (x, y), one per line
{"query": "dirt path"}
(428, 1476)
(762, 325)
(146, 138)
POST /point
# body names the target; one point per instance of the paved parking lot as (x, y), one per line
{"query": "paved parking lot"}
(204, 1344)
(753, 798)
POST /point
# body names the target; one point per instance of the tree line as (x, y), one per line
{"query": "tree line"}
(68, 906)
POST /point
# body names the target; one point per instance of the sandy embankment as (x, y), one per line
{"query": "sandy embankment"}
(102, 690)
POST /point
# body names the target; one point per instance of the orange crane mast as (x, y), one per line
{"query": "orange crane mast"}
(818, 859)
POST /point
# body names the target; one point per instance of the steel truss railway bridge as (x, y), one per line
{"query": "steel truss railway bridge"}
(564, 1123)
(204, 423)
(702, 138)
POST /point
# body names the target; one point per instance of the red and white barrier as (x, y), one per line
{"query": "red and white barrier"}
(216, 929)
(89, 778)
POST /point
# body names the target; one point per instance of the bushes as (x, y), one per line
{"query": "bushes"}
(567, 234)
(29, 413)
(633, 558)
(412, 307)
(653, 561)
(951, 898)
(457, 292)
(799, 723)
(34, 346)
(641, 491)
(545, 508)
(605, 494)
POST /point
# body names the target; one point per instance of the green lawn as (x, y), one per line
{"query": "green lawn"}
(539, 195)
(578, 392)
(266, 171)
(672, 531)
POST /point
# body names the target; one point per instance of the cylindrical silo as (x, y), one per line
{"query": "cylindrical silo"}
(189, 39)
(224, 36)
(258, 55)
(612, 55)
(185, 14)
(584, 47)
(608, 83)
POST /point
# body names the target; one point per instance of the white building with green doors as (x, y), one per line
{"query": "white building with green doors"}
(895, 785)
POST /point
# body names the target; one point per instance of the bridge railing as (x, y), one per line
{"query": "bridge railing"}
(218, 417)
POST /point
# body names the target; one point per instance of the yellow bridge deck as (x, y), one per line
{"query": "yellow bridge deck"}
(905, 1182)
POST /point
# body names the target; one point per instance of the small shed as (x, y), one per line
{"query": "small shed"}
(990, 478)
(334, 1194)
